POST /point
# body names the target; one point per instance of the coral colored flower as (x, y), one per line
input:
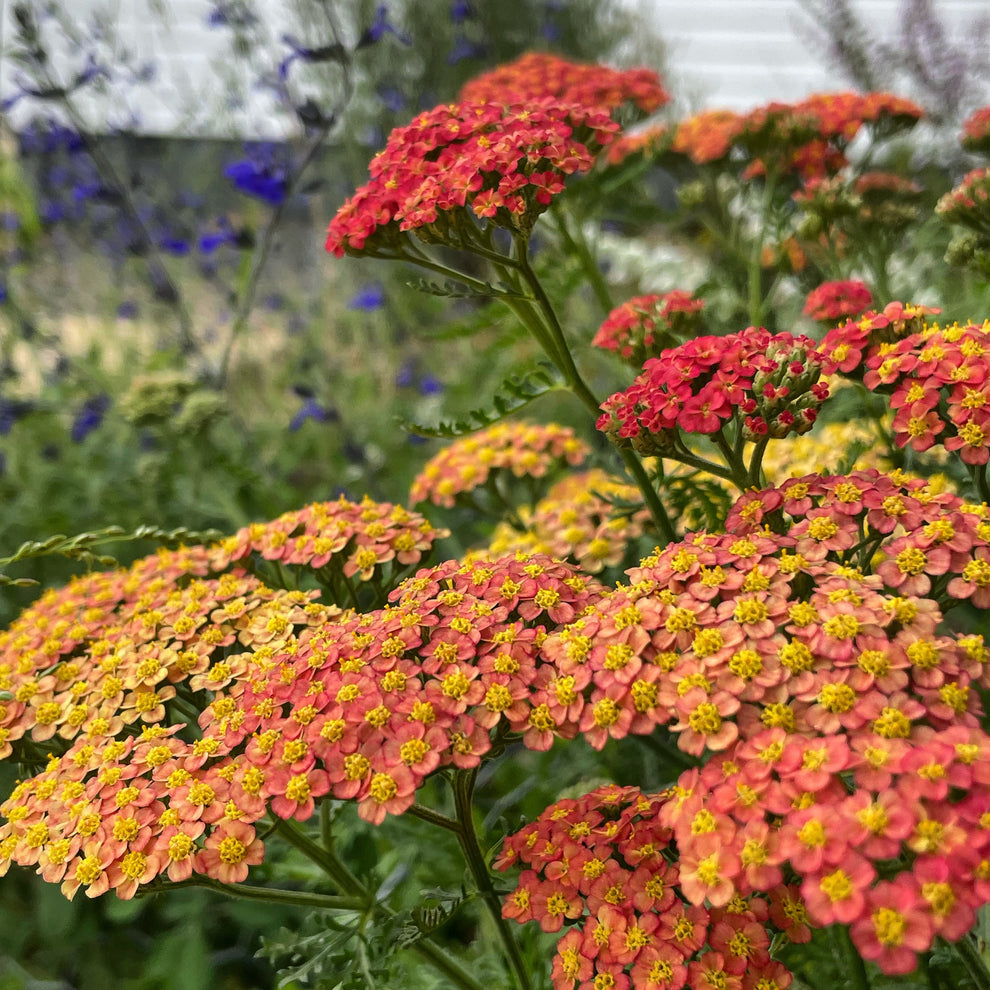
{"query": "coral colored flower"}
(838, 300)
(894, 927)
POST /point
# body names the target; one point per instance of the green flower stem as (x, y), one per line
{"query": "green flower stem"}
(337, 870)
(755, 478)
(434, 818)
(463, 787)
(577, 385)
(685, 456)
(578, 246)
(272, 895)
(971, 957)
(424, 261)
(755, 270)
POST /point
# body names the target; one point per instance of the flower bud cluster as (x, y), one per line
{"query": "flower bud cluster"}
(770, 381)
(968, 203)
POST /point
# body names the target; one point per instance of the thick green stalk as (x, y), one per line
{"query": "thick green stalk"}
(755, 272)
(463, 786)
(973, 960)
(337, 870)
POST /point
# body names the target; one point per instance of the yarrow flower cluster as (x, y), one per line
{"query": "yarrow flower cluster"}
(518, 448)
(642, 327)
(503, 163)
(976, 131)
(353, 539)
(838, 300)
(968, 203)
(846, 771)
(936, 377)
(537, 75)
(604, 868)
(770, 381)
(588, 517)
(807, 138)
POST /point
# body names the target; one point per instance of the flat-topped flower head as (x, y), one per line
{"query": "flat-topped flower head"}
(362, 541)
(536, 75)
(516, 449)
(770, 382)
(461, 166)
(588, 517)
(645, 326)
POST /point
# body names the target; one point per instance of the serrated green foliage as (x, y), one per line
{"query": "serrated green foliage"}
(513, 394)
(81, 546)
(452, 289)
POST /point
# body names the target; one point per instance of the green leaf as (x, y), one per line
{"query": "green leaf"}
(512, 395)
(452, 289)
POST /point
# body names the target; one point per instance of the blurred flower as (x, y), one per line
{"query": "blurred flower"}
(381, 27)
(429, 385)
(460, 10)
(368, 297)
(259, 174)
(11, 410)
(311, 409)
(89, 417)
(231, 13)
(838, 300)
(179, 246)
(404, 376)
(127, 310)
(463, 49)
(392, 98)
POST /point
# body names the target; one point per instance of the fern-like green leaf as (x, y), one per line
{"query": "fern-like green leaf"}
(512, 395)
(452, 289)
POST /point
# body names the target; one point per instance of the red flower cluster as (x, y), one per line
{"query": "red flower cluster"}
(589, 517)
(772, 380)
(843, 347)
(504, 163)
(838, 300)
(519, 448)
(976, 131)
(969, 202)
(604, 865)
(537, 75)
(937, 379)
(644, 326)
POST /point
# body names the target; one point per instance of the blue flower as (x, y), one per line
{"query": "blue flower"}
(463, 49)
(404, 376)
(89, 417)
(179, 246)
(311, 409)
(208, 243)
(260, 175)
(392, 98)
(380, 27)
(460, 10)
(127, 310)
(11, 410)
(428, 385)
(368, 297)
(231, 13)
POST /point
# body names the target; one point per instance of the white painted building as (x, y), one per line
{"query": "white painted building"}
(726, 53)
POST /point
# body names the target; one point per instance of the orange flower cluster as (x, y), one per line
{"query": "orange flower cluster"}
(362, 707)
(937, 379)
(976, 131)
(537, 75)
(644, 326)
(518, 448)
(462, 163)
(605, 865)
(807, 138)
(589, 517)
(356, 538)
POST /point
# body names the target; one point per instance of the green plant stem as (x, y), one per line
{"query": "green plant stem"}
(272, 895)
(577, 385)
(337, 870)
(755, 268)
(973, 960)
(463, 786)
(577, 244)
(434, 818)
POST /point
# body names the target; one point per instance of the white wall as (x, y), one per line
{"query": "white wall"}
(728, 53)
